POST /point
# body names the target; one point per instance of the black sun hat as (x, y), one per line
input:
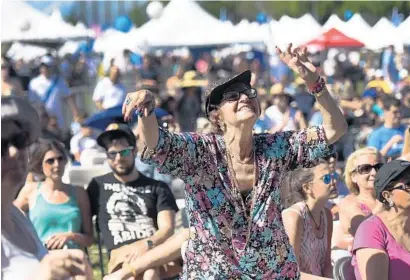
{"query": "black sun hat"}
(115, 131)
(389, 172)
(215, 92)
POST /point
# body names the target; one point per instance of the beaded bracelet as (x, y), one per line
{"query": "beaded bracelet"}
(318, 87)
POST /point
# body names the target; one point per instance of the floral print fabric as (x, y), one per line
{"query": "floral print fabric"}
(218, 247)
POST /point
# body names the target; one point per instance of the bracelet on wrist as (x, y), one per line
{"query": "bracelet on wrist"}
(318, 87)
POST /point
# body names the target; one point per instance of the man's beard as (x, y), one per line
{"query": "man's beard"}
(125, 172)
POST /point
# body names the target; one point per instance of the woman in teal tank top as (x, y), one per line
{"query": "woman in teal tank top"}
(60, 213)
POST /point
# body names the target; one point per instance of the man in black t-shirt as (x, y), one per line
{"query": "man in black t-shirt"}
(134, 213)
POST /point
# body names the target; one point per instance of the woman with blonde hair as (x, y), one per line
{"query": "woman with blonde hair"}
(360, 171)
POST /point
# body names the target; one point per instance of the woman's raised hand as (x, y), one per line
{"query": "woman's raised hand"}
(298, 61)
(142, 101)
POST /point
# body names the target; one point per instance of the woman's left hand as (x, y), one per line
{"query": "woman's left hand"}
(298, 61)
(57, 241)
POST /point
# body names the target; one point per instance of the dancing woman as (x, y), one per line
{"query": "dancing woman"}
(232, 177)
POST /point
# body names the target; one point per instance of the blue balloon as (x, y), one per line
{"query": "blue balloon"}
(105, 26)
(123, 24)
(136, 59)
(348, 15)
(261, 18)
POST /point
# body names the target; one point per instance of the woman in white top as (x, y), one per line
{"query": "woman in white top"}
(22, 254)
(282, 116)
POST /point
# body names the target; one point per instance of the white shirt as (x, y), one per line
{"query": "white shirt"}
(17, 264)
(79, 143)
(109, 94)
(277, 117)
(38, 88)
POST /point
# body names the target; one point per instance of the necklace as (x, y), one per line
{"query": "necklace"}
(313, 219)
(237, 193)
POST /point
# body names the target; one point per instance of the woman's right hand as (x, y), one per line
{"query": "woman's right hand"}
(63, 264)
(142, 100)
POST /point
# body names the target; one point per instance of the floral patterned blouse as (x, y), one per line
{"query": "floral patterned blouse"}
(224, 243)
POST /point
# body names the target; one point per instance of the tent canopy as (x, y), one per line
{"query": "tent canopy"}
(334, 39)
(185, 23)
(21, 22)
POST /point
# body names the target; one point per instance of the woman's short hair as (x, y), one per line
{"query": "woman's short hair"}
(350, 167)
(38, 150)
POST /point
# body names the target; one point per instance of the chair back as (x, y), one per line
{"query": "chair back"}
(343, 269)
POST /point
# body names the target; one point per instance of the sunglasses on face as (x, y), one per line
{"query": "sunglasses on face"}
(404, 187)
(367, 168)
(51, 161)
(327, 179)
(123, 153)
(235, 95)
(20, 141)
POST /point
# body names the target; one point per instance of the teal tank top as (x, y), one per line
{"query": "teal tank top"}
(49, 218)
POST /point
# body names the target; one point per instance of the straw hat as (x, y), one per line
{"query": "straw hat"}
(190, 80)
(277, 89)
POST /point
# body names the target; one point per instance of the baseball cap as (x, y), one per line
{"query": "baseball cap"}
(115, 131)
(47, 60)
(19, 110)
(215, 92)
(390, 172)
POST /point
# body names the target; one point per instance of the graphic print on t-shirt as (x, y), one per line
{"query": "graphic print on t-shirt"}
(128, 214)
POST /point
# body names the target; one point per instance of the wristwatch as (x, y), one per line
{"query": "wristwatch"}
(150, 244)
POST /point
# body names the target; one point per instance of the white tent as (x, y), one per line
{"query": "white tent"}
(295, 30)
(357, 28)
(404, 31)
(21, 22)
(335, 22)
(185, 23)
(383, 34)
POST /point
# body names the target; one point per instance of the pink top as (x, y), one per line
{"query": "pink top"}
(365, 209)
(372, 233)
(312, 249)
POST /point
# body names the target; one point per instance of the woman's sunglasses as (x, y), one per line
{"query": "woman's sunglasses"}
(367, 168)
(327, 179)
(51, 161)
(20, 141)
(123, 153)
(234, 95)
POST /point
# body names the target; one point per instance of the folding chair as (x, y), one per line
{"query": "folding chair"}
(343, 269)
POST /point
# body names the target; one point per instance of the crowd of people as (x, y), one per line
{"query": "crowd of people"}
(284, 171)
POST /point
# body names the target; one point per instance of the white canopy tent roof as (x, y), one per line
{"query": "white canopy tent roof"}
(295, 30)
(185, 23)
(404, 31)
(21, 22)
(335, 22)
(383, 34)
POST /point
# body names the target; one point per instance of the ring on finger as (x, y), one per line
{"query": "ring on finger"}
(127, 101)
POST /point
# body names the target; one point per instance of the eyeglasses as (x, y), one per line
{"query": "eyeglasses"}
(51, 161)
(367, 168)
(234, 95)
(327, 179)
(20, 141)
(123, 153)
(404, 187)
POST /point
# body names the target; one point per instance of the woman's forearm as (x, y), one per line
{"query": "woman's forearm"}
(148, 131)
(334, 122)
(81, 239)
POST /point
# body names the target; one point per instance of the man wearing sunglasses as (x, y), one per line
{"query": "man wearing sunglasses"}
(134, 212)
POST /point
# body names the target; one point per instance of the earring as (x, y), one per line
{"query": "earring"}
(391, 203)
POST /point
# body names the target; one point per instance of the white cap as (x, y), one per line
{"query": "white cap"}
(47, 60)
(378, 73)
